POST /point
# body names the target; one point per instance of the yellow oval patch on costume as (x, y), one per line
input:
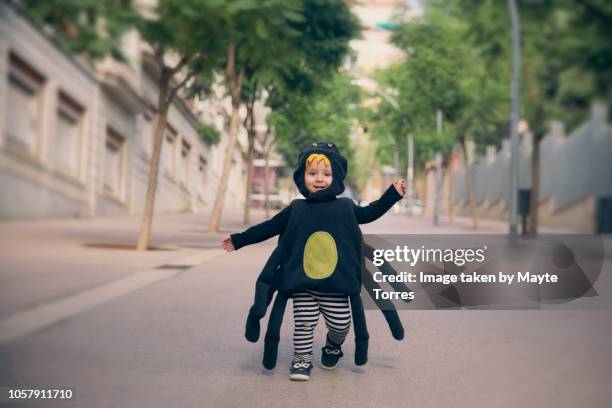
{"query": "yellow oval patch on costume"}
(320, 255)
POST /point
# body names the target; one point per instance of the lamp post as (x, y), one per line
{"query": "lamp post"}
(516, 72)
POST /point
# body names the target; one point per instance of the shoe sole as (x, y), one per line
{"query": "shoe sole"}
(330, 367)
(299, 377)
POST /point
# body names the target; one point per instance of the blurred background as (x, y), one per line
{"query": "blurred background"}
(413, 89)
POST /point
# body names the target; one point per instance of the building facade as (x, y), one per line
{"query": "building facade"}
(76, 139)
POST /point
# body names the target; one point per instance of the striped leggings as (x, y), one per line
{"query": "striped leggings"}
(306, 309)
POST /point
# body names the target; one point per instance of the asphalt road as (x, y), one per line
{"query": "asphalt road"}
(179, 342)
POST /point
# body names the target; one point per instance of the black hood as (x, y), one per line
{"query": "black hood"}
(339, 169)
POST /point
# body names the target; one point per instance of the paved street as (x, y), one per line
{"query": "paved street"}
(179, 341)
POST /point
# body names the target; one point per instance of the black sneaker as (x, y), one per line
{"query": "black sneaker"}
(300, 370)
(330, 357)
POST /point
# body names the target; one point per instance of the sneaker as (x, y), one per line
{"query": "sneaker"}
(300, 371)
(330, 357)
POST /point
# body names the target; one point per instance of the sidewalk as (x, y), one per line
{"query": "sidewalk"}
(403, 224)
(42, 261)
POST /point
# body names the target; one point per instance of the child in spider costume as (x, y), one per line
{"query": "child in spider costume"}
(318, 262)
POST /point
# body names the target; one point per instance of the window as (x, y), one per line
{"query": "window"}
(24, 107)
(113, 163)
(202, 177)
(147, 134)
(67, 140)
(184, 171)
(168, 152)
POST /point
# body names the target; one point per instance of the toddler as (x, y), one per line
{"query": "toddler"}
(320, 266)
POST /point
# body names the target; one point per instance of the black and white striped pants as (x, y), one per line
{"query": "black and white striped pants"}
(307, 306)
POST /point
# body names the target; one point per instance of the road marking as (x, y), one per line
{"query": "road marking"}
(28, 321)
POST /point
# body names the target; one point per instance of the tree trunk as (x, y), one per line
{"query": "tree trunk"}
(160, 127)
(215, 216)
(449, 171)
(445, 174)
(234, 80)
(266, 186)
(250, 157)
(470, 186)
(534, 199)
(267, 144)
(535, 122)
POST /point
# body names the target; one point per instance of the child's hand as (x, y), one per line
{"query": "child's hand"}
(227, 244)
(400, 186)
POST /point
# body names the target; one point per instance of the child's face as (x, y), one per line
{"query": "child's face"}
(318, 176)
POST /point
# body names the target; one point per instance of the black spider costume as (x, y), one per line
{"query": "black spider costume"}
(319, 248)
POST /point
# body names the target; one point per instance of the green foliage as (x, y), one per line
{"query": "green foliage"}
(315, 55)
(590, 46)
(459, 60)
(263, 35)
(310, 100)
(189, 29)
(194, 31)
(209, 134)
(325, 32)
(566, 53)
(322, 115)
(567, 60)
(437, 62)
(442, 71)
(89, 27)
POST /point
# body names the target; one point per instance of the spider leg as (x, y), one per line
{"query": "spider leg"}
(361, 330)
(273, 333)
(386, 306)
(266, 285)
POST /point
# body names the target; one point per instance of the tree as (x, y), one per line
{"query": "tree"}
(251, 96)
(440, 73)
(587, 48)
(325, 32)
(566, 62)
(315, 36)
(267, 143)
(185, 37)
(572, 44)
(254, 30)
(188, 32)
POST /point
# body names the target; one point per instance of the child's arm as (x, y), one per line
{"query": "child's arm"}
(260, 232)
(378, 208)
